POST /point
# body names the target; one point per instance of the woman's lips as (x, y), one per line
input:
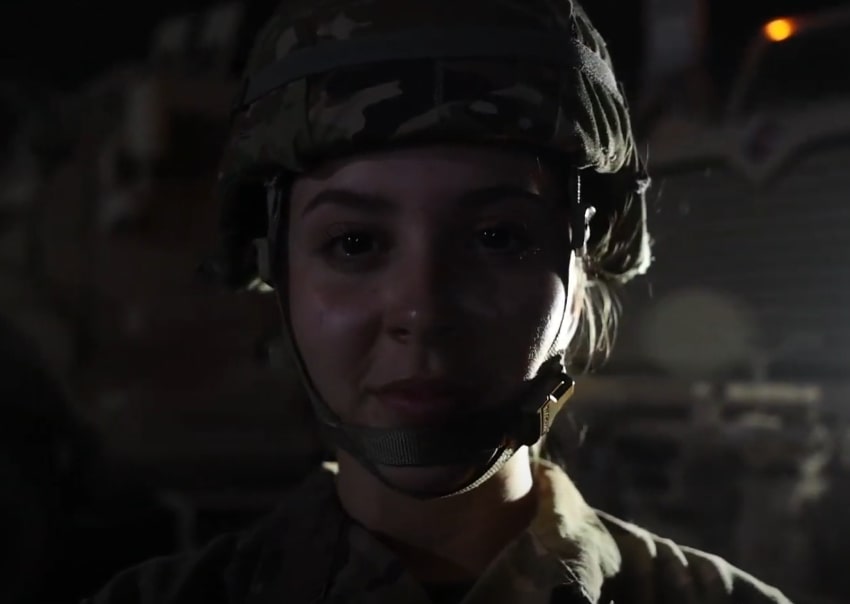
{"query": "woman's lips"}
(424, 399)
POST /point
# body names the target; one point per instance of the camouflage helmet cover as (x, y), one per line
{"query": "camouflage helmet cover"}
(570, 103)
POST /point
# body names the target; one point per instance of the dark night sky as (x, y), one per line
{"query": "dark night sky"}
(63, 43)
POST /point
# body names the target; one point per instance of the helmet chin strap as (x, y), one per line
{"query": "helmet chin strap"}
(491, 434)
(487, 437)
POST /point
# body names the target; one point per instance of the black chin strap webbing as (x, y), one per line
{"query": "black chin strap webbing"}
(520, 420)
(493, 434)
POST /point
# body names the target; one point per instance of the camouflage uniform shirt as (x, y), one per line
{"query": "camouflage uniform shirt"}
(310, 551)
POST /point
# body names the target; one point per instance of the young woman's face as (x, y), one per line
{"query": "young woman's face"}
(427, 282)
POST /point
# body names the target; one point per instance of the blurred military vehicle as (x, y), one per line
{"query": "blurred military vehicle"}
(753, 207)
(723, 418)
(139, 407)
(108, 210)
(741, 468)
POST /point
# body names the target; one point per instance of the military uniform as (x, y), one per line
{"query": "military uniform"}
(310, 551)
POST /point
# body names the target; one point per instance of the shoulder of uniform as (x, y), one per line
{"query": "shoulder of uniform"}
(176, 578)
(666, 571)
(230, 564)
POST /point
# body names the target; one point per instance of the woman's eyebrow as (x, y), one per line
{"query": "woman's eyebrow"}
(371, 202)
(478, 198)
(378, 204)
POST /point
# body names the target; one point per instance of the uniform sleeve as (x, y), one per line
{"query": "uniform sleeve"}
(185, 579)
(658, 571)
(723, 582)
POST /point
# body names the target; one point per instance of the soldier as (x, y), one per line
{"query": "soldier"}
(443, 194)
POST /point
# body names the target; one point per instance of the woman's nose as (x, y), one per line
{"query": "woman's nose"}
(419, 303)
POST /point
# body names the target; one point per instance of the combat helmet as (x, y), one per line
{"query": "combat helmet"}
(328, 78)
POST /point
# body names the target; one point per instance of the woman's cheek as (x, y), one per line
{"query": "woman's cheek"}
(333, 331)
(531, 312)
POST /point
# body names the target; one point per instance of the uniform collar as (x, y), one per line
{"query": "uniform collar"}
(568, 530)
(565, 547)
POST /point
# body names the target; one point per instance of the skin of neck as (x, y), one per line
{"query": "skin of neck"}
(447, 539)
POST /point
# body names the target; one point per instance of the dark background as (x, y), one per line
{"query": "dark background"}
(62, 44)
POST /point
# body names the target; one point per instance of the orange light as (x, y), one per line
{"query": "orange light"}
(780, 29)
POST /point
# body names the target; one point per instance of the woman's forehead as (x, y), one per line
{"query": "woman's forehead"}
(445, 172)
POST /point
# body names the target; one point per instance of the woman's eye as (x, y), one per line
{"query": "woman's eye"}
(355, 244)
(352, 247)
(503, 239)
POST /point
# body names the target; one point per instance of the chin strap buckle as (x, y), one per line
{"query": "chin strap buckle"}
(537, 419)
